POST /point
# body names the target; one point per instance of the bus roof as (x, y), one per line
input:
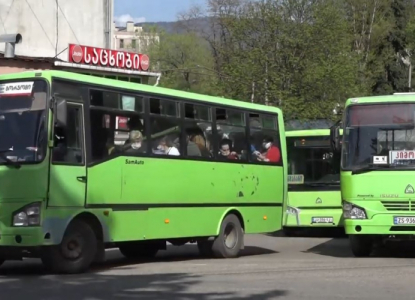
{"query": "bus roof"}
(397, 97)
(140, 88)
(307, 132)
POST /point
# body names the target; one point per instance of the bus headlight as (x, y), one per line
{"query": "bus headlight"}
(351, 211)
(28, 215)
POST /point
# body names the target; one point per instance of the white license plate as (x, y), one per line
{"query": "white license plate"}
(322, 220)
(404, 220)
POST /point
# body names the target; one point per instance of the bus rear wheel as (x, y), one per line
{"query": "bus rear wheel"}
(136, 250)
(75, 253)
(361, 245)
(229, 241)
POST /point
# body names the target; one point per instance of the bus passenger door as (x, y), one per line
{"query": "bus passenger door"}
(67, 185)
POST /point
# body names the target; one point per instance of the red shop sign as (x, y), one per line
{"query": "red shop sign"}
(86, 55)
(122, 123)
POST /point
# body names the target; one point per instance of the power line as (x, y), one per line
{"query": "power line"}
(7, 15)
(44, 31)
(4, 26)
(73, 32)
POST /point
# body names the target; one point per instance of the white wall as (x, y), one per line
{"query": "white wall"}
(79, 22)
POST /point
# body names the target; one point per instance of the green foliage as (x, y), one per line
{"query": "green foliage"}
(305, 56)
(184, 60)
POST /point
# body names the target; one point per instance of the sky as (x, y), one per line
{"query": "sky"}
(150, 10)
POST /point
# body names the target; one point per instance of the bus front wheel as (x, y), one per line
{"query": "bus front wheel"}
(229, 242)
(361, 245)
(76, 251)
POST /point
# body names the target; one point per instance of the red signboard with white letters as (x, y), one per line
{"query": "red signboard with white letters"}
(79, 54)
(122, 123)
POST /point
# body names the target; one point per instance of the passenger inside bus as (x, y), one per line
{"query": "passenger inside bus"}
(272, 153)
(192, 148)
(133, 146)
(225, 151)
(166, 147)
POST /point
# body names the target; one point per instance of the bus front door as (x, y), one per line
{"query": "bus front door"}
(68, 170)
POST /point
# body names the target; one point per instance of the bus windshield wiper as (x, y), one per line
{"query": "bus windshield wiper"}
(8, 161)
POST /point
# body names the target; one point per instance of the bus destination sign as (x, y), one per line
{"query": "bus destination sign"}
(16, 88)
(79, 54)
(402, 157)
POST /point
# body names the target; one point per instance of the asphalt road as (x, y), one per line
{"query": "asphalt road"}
(270, 268)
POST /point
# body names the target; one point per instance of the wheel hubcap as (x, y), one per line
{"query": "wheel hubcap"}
(72, 247)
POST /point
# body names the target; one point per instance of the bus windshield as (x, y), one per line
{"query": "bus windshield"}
(22, 121)
(379, 134)
(311, 163)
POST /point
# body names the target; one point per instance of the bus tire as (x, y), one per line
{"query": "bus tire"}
(75, 253)
(361, 245)
(229, 241)
(136, 250)
(205, 248)
(2, 262)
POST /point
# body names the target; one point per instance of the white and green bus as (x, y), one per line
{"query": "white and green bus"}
(314, 199)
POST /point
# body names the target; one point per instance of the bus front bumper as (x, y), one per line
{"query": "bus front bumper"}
(382, 224)
(21, 237)
(313, 217)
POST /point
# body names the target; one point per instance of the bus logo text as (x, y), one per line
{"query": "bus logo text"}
(134, 162)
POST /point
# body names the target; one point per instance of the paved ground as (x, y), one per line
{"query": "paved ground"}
(270, 268)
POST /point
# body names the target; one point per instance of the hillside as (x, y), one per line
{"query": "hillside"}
(177, 27)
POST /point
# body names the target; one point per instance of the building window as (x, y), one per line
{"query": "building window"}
(122, 78)
(121, 43)
(135, 79)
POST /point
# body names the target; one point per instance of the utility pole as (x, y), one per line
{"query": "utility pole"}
(266, 83)
(253, 92)
(108, 11)
(407, 62)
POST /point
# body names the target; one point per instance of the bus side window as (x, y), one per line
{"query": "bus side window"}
(231, 134)
(265, 140)
(198, 122)
(165, 127)
(68, 145)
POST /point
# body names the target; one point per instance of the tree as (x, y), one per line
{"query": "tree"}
(185, 61)
(283, 53)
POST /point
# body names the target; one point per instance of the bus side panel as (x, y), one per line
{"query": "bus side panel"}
(165, 198)
(166, 223)
(104, 182)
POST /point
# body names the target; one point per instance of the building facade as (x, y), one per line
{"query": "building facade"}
(133, 37)
(52, 32)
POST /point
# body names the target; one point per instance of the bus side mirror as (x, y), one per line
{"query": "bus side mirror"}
(61, 115)
(335, 138)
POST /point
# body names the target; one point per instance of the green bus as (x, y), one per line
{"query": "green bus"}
(377, 162)
(88, 164)
(313, 182)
